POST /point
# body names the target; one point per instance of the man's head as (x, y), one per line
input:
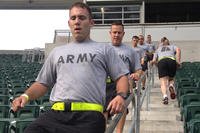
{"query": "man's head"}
(148, 39)
(80, 21)
(165, 41)
(141, 39)
(117, 33)
(135, 40)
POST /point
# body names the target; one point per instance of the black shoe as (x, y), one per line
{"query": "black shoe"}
(165, 100)
(143, 88)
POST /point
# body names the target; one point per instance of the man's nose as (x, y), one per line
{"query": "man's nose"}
(77, 21)
(116, 34)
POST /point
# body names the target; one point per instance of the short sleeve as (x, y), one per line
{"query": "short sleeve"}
(135, 61)
(47, 74)
(155, 56)
(115, 66)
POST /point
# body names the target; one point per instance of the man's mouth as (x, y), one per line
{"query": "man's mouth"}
(77, 29)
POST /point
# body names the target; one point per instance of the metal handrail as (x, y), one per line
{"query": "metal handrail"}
(116, 119)
(135, 124)
(138, 100)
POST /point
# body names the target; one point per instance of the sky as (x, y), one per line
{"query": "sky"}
(26, 29)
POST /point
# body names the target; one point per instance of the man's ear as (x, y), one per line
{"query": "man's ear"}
(68, 22)
(123, 33)
(91, 22)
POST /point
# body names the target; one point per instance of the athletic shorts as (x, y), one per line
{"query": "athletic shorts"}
(144, 66)
(110, 93)
(68, 122)
(166, 67)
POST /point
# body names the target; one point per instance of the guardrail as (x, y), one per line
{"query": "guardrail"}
(137, 102)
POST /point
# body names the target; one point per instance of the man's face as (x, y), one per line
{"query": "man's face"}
(117, 34)
(134, 41)
(149, 39)
(141, 40)
(80, 23)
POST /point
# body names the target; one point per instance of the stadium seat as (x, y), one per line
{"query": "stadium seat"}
(4, 111)
(4, 99)
(190, 111)
(4, 126)
(29, 111)
(43, 100)
(3, 91)
(188, 98)
(194, 126)
(21, 125)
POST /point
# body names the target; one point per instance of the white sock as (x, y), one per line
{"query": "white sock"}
(171, 85)
(164, 95)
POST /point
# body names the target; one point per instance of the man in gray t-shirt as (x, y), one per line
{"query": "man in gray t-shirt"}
(140, 51)
(77, 74)
(128, 56)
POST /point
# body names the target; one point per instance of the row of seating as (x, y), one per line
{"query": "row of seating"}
(187, 83)
(15, 77)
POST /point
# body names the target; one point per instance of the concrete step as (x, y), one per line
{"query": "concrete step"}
(160, 118)
(154, 126)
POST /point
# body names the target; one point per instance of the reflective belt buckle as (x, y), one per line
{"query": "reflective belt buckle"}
(59, 106)
(80, 106)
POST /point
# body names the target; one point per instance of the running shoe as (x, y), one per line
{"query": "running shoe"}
(165, 100)
(172, 92)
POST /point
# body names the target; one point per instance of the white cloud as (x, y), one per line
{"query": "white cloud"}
(25, 29)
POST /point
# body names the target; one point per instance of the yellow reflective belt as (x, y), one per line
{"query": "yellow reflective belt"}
(76, 106)
(59, 106)
(108, 80)
(166, 58)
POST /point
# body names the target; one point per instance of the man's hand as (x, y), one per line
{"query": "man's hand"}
(116, 105)
(135, 76)
(18, 103)
(178, 65)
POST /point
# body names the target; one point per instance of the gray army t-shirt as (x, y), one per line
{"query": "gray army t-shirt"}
(144, 46)
(129, 57)
(165, 51)
(78, 71)
(139, 51)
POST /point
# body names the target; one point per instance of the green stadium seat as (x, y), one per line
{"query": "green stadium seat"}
(4, 99)
(194, 126)
(22, 124)
(3, 91)
(43, 100)
(4, 126)
(29, 111)
(189, 113)
(188, 98)
(4, 111)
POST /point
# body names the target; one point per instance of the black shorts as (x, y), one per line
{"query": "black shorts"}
(166, 67)
(68, 122)
(150, 57)
(110, 93)
(145, 66)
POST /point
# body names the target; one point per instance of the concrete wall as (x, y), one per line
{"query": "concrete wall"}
(11, 51)
(187, 32)
(184, 36)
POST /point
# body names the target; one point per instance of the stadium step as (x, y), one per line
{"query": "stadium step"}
(160, 118)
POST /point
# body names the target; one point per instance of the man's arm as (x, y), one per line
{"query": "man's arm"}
(35, 91)
(117, 104)
(178, 55)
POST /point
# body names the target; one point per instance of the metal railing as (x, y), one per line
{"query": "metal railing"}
(137, 102)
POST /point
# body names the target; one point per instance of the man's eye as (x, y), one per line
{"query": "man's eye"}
(73, 17)
(82, 17)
